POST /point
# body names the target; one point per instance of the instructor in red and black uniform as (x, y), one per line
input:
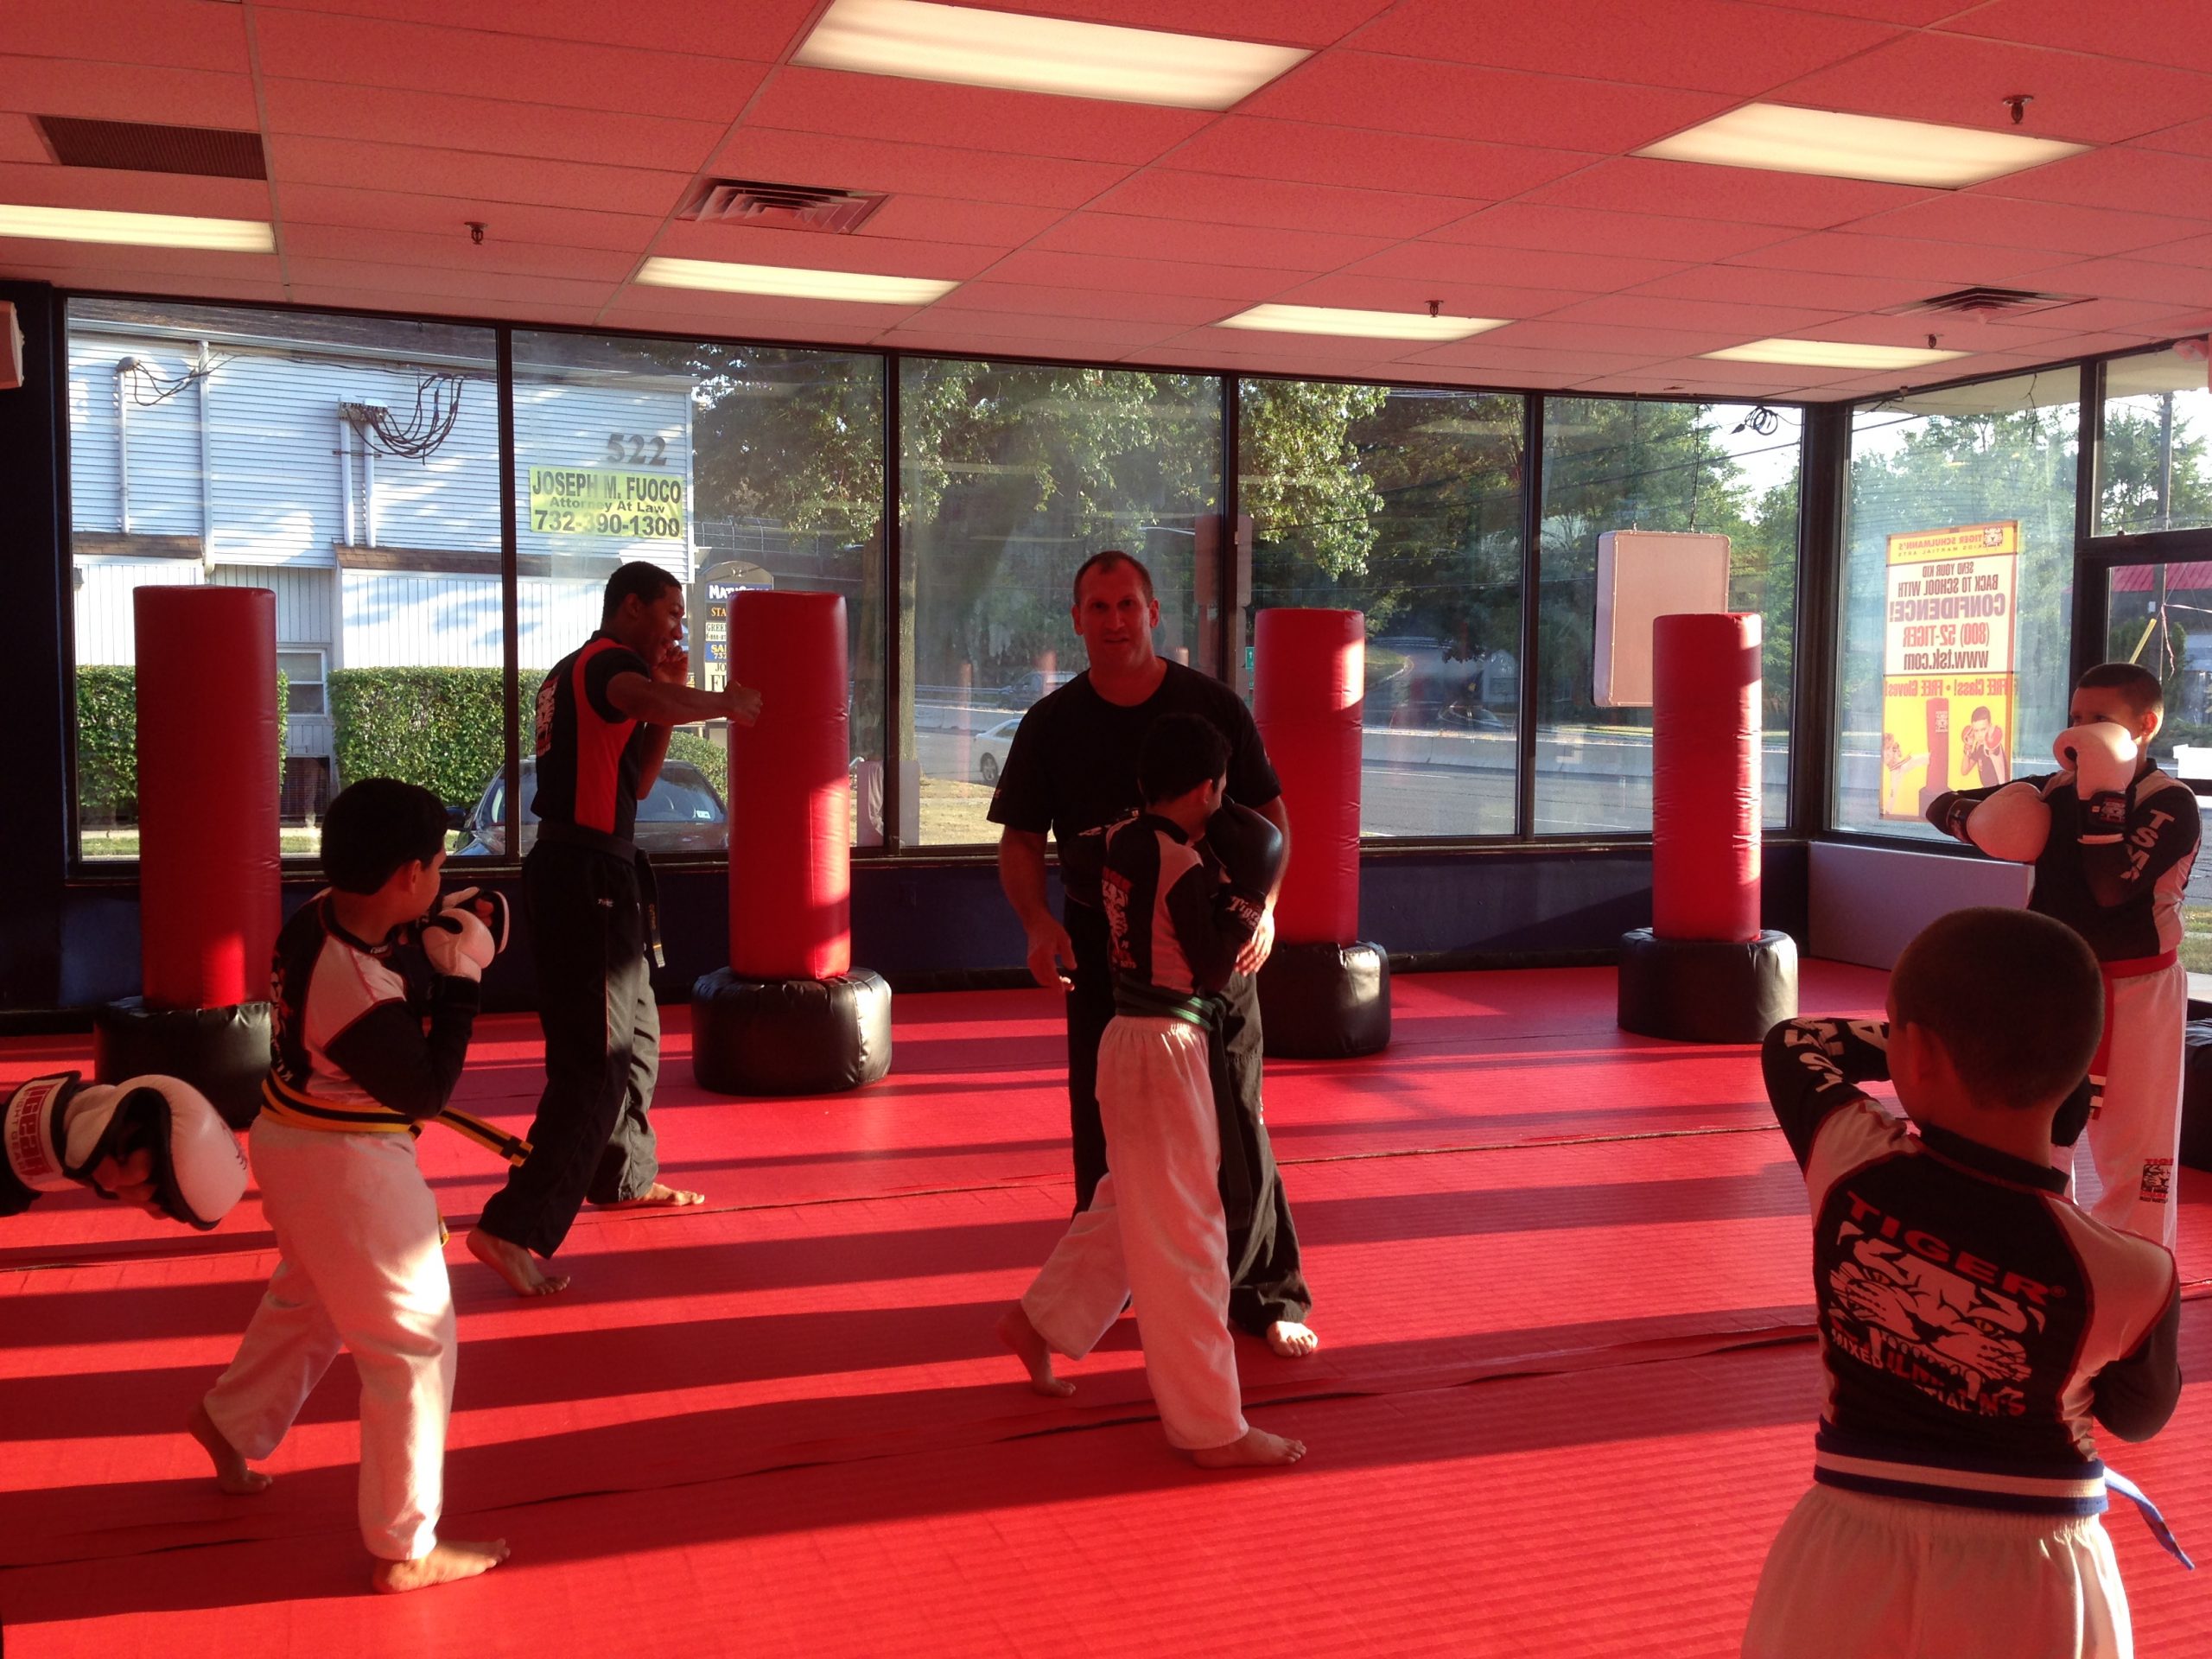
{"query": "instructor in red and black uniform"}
(604, 716)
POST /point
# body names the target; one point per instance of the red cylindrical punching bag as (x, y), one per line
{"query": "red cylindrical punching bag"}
(1705, 777)
(1309, 682)
(790, 818)
(208, 786)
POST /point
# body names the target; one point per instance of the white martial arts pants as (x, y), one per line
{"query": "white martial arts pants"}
(1154, 1230)
(363, 1268)
(1854, 1576)
(2134, 1133)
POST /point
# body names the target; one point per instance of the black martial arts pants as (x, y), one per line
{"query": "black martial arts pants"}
(592, 1138)
(1266, 1280)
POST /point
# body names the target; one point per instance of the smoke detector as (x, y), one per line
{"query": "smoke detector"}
(781, 207)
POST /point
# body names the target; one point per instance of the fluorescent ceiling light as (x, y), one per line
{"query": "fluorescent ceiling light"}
(138, 230)
(974, 47)
(1832, 354)
(1778, 138)
(857, 287)
(1358, 325)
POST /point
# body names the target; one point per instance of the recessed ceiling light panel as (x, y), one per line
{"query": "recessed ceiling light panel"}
(1781, 138)
(138, 230)
(1357, 325)
(1832, 354)
(792, 282)
(974, 47)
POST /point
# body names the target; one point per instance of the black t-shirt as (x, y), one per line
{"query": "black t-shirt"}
(589, 752)
(1072, 768)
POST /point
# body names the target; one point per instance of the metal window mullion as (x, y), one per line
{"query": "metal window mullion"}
(1816, 693)
(892, 553)
(1532, 523)
(510, 597)
(2084, 649)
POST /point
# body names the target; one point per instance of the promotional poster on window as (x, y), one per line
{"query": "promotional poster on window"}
(1946, 663)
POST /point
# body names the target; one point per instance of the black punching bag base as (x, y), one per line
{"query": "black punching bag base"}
(1706, 990)
(1325, 1002)
(790, 1036)
(222, 1052)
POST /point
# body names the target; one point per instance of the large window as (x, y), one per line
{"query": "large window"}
(1957, 593)
(732, 467)
(1611, 466)
(1010, 477)
(1406, 505)
(2157, 445)
(348, 465)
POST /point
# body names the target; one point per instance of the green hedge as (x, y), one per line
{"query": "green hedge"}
(107, 743)
(709, 756)
(435, 726)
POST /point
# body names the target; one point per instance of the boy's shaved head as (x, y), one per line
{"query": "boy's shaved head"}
(2014, 998)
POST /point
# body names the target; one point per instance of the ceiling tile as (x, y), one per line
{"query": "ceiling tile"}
(2150, 31)
(1737, 195)
(1576, 229)
(1913, 12)
(1039, 333)
(2190, 138)
(1551, 334)
(1939, 265)
(382, 114)
(937, 219)
(2126, 177)
(1227, 245)
(1705, 45)
(1451, 100)
(1773, 378)
(461, 173)
(1639, 311)
(2059, 227)
(404, 280)
(738, 312)
(304, 46)
(1412, 295)
(2190, 251)
(448, 216)
(1304, 152)
(1163, 192)
(180, 34)
(529, 256)
(920, 170)
(969, 118)
(2140, 318)
(20, 144)
(460, 307)
(110, 92)
(1949, 77)
(2131, 279)
(43, 184)
(1043, 267)
(811, 250)
(1024, 298)
(122, 267)
(1755, 286)
(1507, 360)
(1586, 273)
(761, 30)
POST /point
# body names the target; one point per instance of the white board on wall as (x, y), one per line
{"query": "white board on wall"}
(1643, 575)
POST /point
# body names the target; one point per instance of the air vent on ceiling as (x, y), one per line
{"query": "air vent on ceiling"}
(781, 207)
(138, 147)
(1987, 302)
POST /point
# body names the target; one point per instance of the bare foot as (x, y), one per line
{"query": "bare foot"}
(231, 1473)
(1257, 1450)
(515, 1265)
(1293, 1340)
(659, 1198)
(445, 1563)
(1031, 1349)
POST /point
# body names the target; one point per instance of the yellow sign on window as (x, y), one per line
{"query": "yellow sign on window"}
(630, 507)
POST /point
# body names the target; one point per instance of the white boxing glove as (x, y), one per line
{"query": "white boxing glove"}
(2103, 758)
(490, 908)
(457, 943)
(2012, 824)
(60, 1132)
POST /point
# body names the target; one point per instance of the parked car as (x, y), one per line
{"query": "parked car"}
(990, 750)
(682, 813)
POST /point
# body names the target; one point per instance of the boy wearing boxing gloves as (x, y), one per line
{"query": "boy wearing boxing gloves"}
(376, 992)
(2112, 839)
(1184, 885)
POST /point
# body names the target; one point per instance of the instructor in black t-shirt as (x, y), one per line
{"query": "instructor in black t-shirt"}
(604, 716)
(1072, 770)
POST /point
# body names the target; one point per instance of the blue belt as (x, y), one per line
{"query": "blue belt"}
(2116, 1481)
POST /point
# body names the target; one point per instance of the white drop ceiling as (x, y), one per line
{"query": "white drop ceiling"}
(1475, 153)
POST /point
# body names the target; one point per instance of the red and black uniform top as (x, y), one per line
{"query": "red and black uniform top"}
(1973, 1324)
(1177, 924)
(589, 752)
(2122, 896)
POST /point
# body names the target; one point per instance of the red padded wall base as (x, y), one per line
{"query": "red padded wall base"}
(1705, 777)
(209, 746)
(791, 792)
(1309, 687)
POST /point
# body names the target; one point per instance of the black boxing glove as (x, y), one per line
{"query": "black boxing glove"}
(1250, 849)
